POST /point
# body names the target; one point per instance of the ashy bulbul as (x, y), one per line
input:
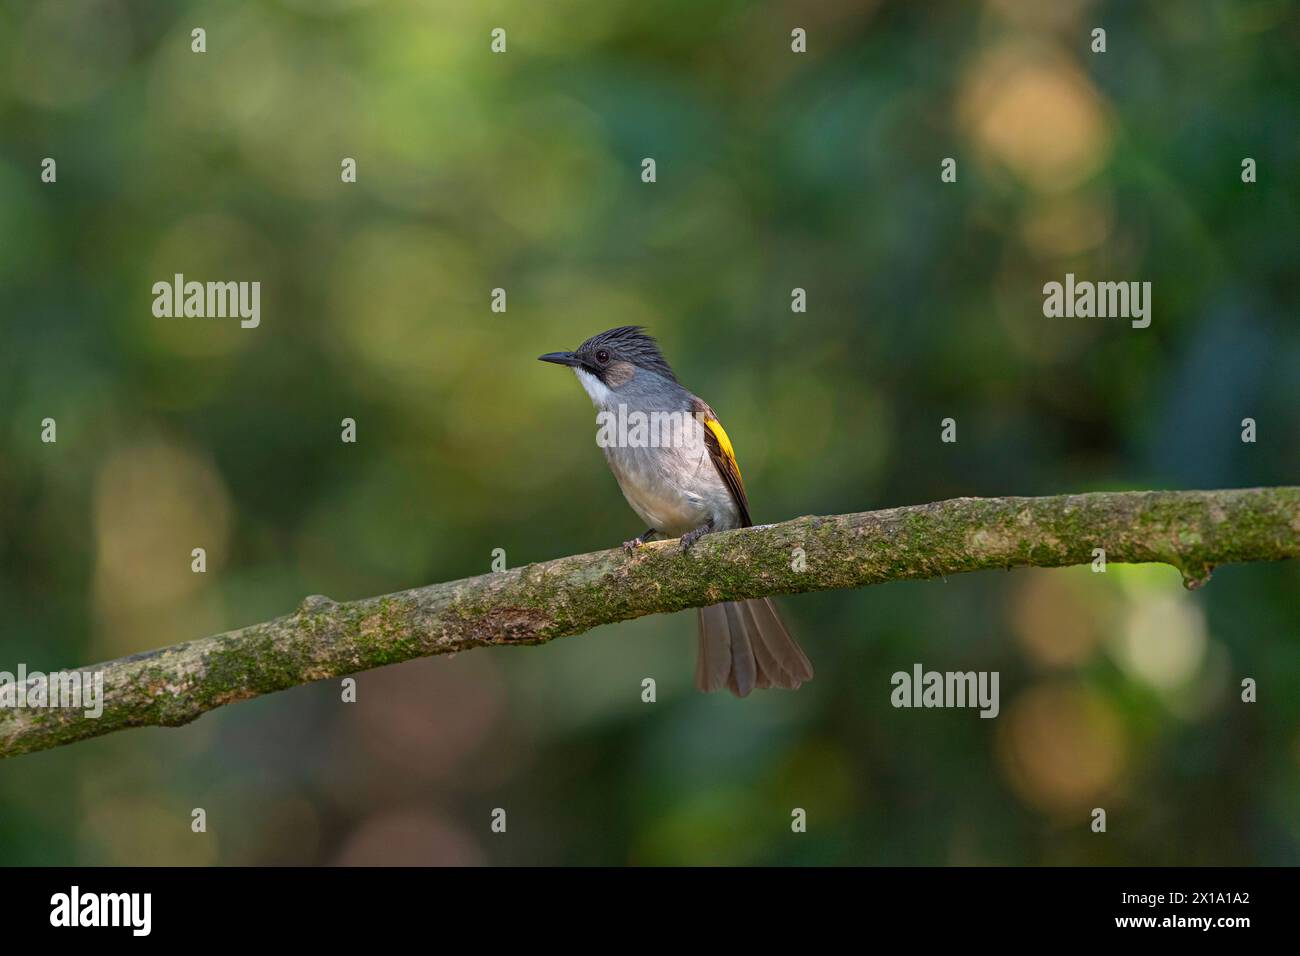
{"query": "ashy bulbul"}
(684, 482)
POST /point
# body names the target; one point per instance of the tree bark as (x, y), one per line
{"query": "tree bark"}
(1192, 530)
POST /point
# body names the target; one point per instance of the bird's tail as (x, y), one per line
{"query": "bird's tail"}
(744, 645)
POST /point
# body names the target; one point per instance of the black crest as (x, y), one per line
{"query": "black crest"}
(630, 343)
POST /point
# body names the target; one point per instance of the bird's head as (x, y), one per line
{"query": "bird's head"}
(611, 361)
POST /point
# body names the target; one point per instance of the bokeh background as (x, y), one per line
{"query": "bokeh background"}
(522, 171)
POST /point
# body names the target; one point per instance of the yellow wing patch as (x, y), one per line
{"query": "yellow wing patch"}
(724, 458)
(715, 426)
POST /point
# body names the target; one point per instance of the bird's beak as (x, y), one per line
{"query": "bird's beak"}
(560, 358)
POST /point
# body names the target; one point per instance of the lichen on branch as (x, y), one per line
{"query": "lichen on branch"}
(1194, 531)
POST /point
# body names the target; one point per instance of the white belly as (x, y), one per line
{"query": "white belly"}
(667, 510)
(673, 490)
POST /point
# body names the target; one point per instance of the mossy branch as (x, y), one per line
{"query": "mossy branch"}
(1192, 530)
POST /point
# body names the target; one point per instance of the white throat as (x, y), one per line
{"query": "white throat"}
(600, 393)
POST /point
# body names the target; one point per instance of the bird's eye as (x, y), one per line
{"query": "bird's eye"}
(602, 356)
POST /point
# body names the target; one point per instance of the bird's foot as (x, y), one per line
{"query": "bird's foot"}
(690, 537)
(630, 546)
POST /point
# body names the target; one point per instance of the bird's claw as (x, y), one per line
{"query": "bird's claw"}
(690, 537)
(642, 538)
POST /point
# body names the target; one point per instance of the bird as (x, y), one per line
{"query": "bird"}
(683, 481)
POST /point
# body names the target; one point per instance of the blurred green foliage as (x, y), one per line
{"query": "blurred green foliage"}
(522, 171)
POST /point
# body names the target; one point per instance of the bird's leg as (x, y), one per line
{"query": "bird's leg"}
(690, 537)
(642, 538)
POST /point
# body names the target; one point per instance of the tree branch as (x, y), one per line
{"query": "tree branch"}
(1192, 530)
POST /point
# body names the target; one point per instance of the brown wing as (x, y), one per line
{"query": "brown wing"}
(724, 458)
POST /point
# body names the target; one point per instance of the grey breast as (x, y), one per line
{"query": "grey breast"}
(665, 469)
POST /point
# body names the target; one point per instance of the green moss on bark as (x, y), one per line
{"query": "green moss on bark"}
(1193, 531)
